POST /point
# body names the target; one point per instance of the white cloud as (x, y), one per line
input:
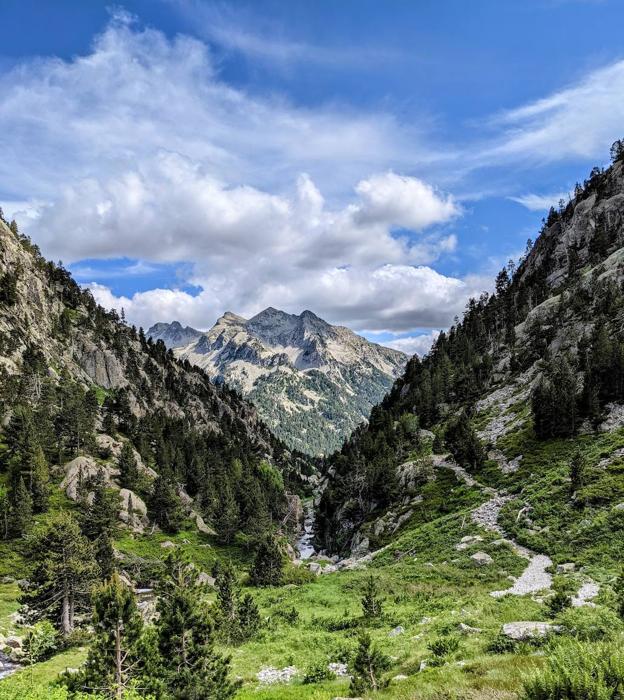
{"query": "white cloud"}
(540, 202)
(580, 121)
(235, 30)
(137, 92)
(161, 161)
(414, 344)
(403, 201)
(393, 298)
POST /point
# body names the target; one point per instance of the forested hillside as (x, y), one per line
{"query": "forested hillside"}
(545, 350)
(86, 396)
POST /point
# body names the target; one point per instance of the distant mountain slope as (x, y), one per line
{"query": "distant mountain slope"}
(312, 382)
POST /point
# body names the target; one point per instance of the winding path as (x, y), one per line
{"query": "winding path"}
(535, 577)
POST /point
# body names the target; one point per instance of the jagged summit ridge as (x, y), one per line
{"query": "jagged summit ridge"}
(312, 381)
(173, 334)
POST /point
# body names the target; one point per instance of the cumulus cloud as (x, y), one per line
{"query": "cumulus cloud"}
(403, 201)
(163, 162)
(393, 298)
(414, 344)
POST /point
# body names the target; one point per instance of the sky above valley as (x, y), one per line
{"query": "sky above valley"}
(375, 162)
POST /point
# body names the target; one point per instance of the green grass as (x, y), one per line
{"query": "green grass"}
(427, 585)
(40, 677)
(9, 593)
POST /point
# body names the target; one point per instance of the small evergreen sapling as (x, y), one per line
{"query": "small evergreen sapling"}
(371, 602)
(367, 667)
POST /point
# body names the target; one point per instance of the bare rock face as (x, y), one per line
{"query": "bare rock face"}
(133, 510)
(101, 366)
(81, 469)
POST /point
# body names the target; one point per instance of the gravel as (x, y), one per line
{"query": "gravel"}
(586, 593)
(270, 676)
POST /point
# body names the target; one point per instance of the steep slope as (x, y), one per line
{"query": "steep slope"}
(533, 375)
(312, 382)
(79, 383)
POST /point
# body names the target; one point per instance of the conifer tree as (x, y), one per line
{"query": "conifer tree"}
(63, 571)
(114, 659)
(371, 602)
(268, 563)
(99, 523)
(577, 469)
(227, 589)
(129, 477)
(248, 617)
(165, 505)
(368, 665)
(226, 521)
(237, 617)
(39, 481)
(463, 442)
(192, 669)
(21, 509)
(5, 506)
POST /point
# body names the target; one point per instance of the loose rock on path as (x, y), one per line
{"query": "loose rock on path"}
(535, 577)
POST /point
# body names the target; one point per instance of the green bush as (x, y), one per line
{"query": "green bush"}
(318, 673)
(41, 641)
(501, 644)
(443, 646)
(579, 671)
(558, 603)
(591, 624)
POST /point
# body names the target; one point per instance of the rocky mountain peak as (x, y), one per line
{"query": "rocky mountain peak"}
(297, 369)
(173, 334)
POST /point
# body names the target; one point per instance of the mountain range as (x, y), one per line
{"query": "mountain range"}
(311, 382)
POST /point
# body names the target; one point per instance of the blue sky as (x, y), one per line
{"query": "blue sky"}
(375, 162)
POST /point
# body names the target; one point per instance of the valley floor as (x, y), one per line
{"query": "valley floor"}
(433, 588)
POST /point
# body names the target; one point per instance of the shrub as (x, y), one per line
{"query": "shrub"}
(501, 644)
(591, 624)
(289, 615)
(558, 603)
(579, 671)
(317, 673)
(443, 646)
(41, 641)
